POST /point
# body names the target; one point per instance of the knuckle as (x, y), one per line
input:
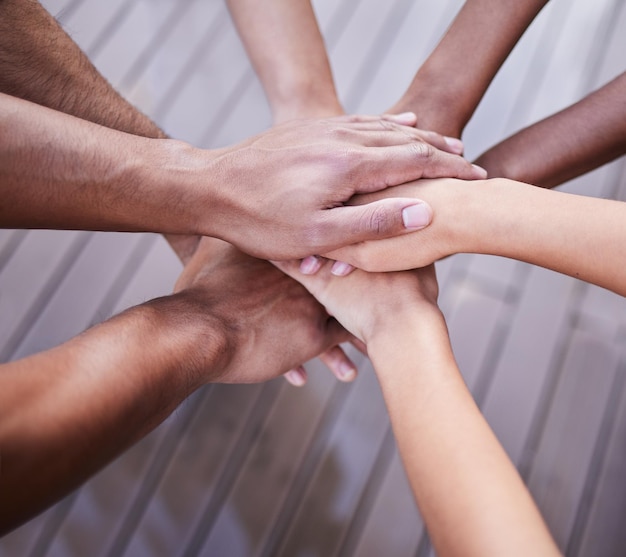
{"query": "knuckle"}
(339, 133)
(348, 160)
(375, 221)
(423, 151)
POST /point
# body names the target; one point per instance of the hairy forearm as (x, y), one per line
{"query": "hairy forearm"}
(576, 140)
(58, 171)
(67, 412)
(462, 479)
(286, 48)
(39, 62)
(448, 87)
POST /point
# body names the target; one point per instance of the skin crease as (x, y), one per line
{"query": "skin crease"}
(461, 477)
(79, 405)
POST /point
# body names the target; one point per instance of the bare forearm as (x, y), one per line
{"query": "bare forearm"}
(575, 235)
(572, 234)
(576, 140)
(284, 43)
(39, 62)
(69, 411)
(462, 479)
(448, 87)
(58, 171)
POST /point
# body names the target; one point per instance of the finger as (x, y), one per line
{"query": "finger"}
(381, 167)
(337, 361)
(341, 269)
(310, 265)
(297, 376)
(385, 218)
(404, 118)
(360, 118)
(448, 144)
(359, 345)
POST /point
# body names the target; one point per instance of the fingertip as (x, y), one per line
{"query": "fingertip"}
(418, 216)
(310, 265)
(404, 118)
(480, 172)
(296, 377)
(346, 372)
(341, 269)
(454, 145)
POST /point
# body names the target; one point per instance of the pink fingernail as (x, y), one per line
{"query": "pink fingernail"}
(481, 170)
(295, 378)
(340, 269)
(455, 144)
(346, 371)
(310, 265)
(416, 216)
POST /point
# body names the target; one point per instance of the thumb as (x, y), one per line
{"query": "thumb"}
(373, 221)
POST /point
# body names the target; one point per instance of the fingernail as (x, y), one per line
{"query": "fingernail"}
(406, 118)
(455, 144)
(346, 371)
(295, 378)
(340, 269)
(310, 265)
(481, 170)
(416, 216)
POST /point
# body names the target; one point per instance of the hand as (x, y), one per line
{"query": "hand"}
(284, 191)
(369, 304)
(433, 112)
(459, 225)
(270, 322)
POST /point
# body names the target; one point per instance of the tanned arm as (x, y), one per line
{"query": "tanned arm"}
(568, 144)
(39, 62)
(449, 85)
(67, 412)
(287, 50)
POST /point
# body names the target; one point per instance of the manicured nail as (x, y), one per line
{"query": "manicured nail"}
(481, 170)
(456, 145)
(310, 265)
(295, 378)
(416, 216)
(340, 269)
(346, 371)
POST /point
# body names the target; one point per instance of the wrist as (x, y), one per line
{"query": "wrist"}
(469, 216)
(496, 217)
(409, 343)
(436, 101)
(189, 337)
(397, 328)
(306, 103)
(182, 186)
